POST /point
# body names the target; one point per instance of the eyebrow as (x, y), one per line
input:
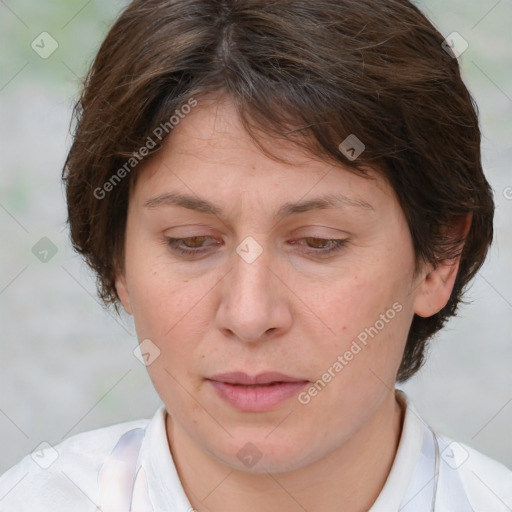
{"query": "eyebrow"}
(204, 206)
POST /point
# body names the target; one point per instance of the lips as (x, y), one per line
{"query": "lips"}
(243, 379)
(258, 393)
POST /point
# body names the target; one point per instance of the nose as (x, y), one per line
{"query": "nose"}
(255, 303)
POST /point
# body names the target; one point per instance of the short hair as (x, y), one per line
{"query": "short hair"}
(311, 72)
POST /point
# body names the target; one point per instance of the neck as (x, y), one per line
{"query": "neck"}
(352, 475)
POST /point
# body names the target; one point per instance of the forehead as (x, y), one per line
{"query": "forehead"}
(209, 154)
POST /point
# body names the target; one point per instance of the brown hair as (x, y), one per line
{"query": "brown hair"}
(313, 72)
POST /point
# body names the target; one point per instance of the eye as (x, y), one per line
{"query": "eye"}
(316, 246)
(194, 241)
(327, 246)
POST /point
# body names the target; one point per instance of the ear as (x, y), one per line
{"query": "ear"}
(122, 291)
(437, 281)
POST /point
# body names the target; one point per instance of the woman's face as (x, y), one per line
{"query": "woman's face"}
(263, 290)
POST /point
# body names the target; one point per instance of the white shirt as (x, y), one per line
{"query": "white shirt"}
(129, 467)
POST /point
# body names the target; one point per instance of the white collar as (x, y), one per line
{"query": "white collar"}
(150, 471)
(406, 458)
(164, 485)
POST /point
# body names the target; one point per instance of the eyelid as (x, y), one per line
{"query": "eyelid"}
(335, 245)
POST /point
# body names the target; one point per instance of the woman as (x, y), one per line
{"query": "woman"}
(288, 198)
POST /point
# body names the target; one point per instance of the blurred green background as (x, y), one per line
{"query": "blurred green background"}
(67, 366)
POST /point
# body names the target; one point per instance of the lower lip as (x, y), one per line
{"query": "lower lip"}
(256, 398)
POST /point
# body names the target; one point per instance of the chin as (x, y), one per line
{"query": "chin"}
(259, 455)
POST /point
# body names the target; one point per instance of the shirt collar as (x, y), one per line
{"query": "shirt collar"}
(164, 485)
(166, 490)
(410, 451)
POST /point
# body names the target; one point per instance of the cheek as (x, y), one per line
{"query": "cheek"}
(355, 301)
(168, 311)
(169, 306)
(365, 317)
(153, 287)
(162, 305)
(356, 367)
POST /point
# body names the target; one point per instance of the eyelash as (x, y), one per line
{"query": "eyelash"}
(336, 246)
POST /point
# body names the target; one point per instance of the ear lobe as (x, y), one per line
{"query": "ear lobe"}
(437, 282)
(122, 291)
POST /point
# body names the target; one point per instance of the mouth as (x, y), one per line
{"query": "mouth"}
(262, 379)
(257, 393)
(250, 386)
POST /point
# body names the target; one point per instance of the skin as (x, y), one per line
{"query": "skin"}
(289, 310)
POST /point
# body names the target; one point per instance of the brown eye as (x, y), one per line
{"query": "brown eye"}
(194, 242)
(322, 246)
(187, 246)
(195, 245)
(318, 243)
